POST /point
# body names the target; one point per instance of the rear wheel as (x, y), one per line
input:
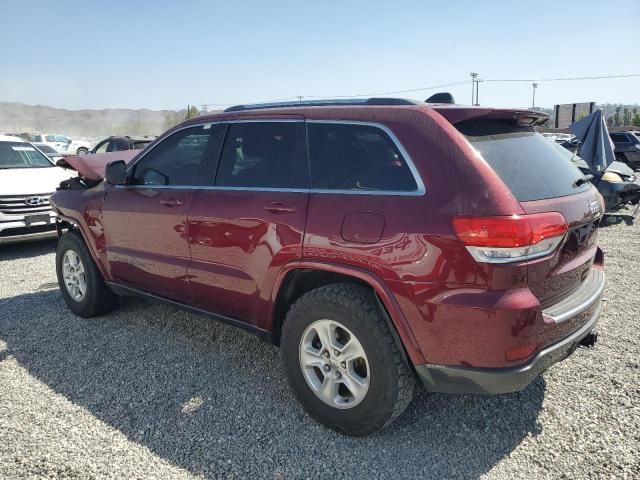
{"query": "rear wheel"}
(81, 284)
(343, 362)
(82, 151)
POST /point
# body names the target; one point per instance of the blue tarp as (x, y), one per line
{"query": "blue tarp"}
(597, 147)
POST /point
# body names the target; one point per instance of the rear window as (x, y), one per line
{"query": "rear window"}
(529, 164)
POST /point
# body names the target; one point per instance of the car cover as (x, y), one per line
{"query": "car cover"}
(597, 147)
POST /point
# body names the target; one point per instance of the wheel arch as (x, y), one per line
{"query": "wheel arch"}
(72, 225)
(297, 279)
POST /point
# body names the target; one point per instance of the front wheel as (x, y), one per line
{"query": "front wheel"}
(342, 360)
(81, 284)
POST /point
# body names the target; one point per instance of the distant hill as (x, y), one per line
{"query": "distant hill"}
(19, 117)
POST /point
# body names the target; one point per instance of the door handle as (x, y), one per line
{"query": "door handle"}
(278, 208)
(171, 202)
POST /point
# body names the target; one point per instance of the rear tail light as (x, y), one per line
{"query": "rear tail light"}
(510, 238)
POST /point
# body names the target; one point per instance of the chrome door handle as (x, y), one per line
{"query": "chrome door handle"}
(278, 207)
(171, 202)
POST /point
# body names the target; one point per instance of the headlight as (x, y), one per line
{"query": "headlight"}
(612, 177)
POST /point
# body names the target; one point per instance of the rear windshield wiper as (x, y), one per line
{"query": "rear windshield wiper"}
(583, 180)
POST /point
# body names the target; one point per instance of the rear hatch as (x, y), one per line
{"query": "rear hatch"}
(543, 180)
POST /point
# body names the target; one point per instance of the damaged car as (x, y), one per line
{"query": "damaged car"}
(618, 184)
(384, 245)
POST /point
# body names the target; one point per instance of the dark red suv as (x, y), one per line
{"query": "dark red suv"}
(381, 243)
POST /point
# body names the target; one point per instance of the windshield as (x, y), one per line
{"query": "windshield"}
(21, 155)
(529, 164)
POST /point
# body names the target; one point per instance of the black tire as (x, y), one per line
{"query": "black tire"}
(391, 381)
(82, 151)
(98, 298)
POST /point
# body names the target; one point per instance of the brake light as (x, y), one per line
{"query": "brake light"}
(510, 238)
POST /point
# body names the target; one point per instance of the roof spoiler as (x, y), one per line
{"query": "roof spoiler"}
(441, 97)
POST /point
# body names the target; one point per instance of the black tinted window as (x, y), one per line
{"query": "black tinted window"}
(264, 155)
(140, 145)
(356, 157)
(181, 159)
(619, 138)
(529, 164)
(118, 144)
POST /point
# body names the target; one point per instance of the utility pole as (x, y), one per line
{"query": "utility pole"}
(473, 87)
(533, 101)
(204, 108)
(478, 91)
(300, 97)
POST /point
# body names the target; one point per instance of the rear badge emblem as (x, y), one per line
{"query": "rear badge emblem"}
(594, 206)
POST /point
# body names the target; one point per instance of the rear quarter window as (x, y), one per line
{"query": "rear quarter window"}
(529, 164)
(347, 156)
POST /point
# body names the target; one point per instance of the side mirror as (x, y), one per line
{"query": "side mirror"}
(116, 172)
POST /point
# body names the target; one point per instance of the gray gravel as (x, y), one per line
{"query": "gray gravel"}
(151, 392)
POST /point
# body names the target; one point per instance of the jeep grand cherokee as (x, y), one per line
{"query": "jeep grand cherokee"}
(382, 243)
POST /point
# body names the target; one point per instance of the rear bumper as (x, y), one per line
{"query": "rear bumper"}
(457, 379)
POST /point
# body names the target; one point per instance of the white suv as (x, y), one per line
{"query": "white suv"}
(62, 144)
(27, 180)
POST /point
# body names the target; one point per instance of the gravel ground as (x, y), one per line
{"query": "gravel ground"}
(151, 392)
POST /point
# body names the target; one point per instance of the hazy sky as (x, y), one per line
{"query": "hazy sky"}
(161, 54)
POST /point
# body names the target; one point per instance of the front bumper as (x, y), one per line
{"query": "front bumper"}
(459, 379)
(15, 230)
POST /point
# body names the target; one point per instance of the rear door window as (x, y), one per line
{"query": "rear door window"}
(346, 156)
(529, 164)
(264, 155)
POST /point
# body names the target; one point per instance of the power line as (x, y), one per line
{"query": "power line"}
(432, 87)
(388, 93)
(564, 79)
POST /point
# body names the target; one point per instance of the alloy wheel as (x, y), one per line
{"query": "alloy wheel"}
(74, 276)
(334, 364)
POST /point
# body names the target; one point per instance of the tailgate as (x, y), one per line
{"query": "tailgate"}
(542, 177)
(551, 279)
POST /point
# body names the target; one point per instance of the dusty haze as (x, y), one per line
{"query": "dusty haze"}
(19, 118)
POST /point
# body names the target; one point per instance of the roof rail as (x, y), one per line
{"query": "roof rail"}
(324, 103)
